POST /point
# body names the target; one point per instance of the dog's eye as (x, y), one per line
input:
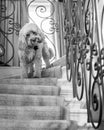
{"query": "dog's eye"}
(28, 35)
(35, 33)
(39, 41)
(29, 47)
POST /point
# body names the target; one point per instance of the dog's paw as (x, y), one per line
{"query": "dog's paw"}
(30, 75)
(24, 75)
(37, 75)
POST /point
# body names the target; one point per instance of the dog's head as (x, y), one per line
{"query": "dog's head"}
(30, 37)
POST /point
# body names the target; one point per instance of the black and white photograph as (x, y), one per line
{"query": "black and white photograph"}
(51, 64)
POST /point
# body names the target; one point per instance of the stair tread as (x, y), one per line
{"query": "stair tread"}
(28, 107)
(29, 89)
(31, 81)
(32, 112)
(30, 100)
(8, 124)
(33, 121)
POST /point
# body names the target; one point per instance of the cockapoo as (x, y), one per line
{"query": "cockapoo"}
(32, 47)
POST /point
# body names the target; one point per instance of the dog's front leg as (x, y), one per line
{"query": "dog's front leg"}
(30, 71)
(24, 70)
(38, 68)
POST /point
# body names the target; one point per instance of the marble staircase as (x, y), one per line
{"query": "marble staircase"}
(32, 104)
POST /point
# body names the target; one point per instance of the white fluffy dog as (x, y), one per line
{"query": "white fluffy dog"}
(31, 48)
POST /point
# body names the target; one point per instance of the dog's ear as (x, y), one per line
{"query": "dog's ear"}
(41, 34)
(47, 52)
(22, 42)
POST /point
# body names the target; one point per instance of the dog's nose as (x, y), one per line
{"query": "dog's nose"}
(35, 48)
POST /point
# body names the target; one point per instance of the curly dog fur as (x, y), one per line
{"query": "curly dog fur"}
(31, 48)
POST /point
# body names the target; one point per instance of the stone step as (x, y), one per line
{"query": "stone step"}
(32, 112)
(29, 89)
(32, 81)
(30, 100)
(6, 124)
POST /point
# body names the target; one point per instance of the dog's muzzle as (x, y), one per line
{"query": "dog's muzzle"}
(32, 47)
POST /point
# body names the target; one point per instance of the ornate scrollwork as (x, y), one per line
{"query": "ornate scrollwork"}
(95, 103)
(67, 38)
(3, 14)
(85, 55)
(73, 48)
(68, 65)
(44, 11)
(52, 26)
(12, 27)
(95, 88)
(7, 18)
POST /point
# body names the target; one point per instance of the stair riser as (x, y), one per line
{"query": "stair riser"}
(37, 81)
(32, 113)
(17, 127)
(28, 100)
(29, 89)
(33, 125)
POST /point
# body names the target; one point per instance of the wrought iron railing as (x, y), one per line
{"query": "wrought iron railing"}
(7, 28)
(84, 37)
(42, 10)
